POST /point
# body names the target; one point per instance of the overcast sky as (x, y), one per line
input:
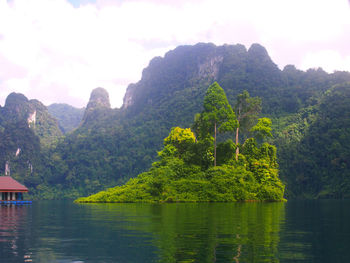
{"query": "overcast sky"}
(59, 50)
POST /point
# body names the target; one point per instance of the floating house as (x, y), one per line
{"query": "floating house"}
(11, 191)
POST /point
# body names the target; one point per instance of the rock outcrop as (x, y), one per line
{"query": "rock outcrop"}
(98, 103)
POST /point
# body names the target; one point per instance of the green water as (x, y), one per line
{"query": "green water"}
(60, 231)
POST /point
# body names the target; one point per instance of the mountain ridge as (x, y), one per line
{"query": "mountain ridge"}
(111, 145)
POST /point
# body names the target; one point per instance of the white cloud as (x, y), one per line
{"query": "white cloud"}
(55, 52)
(329, 60)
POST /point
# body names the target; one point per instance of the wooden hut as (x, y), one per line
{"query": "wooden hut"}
(11, 190)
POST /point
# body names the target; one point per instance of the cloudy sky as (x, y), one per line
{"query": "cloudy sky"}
(59, 50)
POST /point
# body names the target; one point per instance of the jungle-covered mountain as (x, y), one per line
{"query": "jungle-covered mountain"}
(27, 131)
(68, 117)
(112, 145)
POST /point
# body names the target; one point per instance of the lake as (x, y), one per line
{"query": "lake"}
(61, 231)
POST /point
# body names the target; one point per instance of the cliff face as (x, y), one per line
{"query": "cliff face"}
(44, 125)
(210, 67)
(233, 66)
(184, 66)
(128, 97)
(99, 98)
(18, 109)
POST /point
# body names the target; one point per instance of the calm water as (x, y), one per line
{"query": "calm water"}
(56, 231)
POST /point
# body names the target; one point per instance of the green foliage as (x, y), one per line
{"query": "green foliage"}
(216, 116)
(112, 145)
(27, 132)
(183, 173)
(225, 152)
(217, 113)
(181, 139)
(178, 182)
(217, 109)
(202, 153)
(45, 126)
(317, 164)
(68, 116)
(247, 110)
(262, 129)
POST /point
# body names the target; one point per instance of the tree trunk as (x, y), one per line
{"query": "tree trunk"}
(214, 144)
(237, 132)
(237, 148)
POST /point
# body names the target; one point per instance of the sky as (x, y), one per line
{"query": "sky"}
(58, 51)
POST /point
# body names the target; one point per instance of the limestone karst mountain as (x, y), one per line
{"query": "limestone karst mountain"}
(27, 130)
(112, 145)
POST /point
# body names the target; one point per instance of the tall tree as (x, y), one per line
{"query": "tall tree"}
(217, 115)
(247, 110)
(262, 129)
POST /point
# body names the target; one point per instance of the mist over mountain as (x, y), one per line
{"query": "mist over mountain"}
(108, 146)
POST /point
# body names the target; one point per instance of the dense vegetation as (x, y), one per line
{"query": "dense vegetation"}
(316, 151)
(112, 145)
(188, 170)
(68, 117)
(27, 132)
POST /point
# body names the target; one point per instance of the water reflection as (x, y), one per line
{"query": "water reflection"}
(316, 231)
(66, 232)
(237, 232)
(63, 232)
(12, 237)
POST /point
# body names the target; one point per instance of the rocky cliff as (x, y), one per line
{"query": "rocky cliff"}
(98, 105)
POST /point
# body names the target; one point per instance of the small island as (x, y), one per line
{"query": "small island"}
(204, 164)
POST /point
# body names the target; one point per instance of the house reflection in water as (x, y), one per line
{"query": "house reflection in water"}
(14, 232)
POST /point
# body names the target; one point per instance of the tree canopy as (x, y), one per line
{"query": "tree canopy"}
(113, 145)
(183, 173)
(217, 114)
(247, 110)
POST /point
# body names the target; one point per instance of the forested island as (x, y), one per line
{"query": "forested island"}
(194, 167)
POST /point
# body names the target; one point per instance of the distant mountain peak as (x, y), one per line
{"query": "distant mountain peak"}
(185, 64)
(15, 99)
(258, 50)
(99, 98)
(18, 105)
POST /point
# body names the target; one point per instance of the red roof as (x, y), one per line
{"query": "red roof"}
(8, 184)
